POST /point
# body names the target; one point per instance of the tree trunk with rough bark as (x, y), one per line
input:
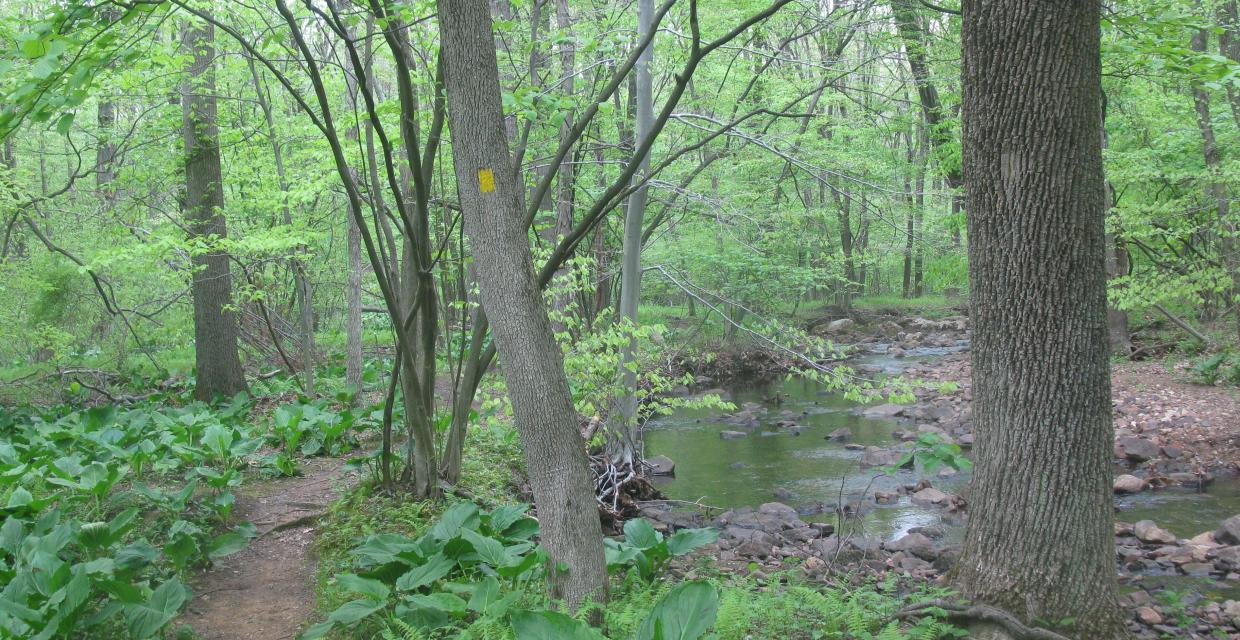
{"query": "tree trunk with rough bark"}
(1216, 188)
(218, 365)
(1039, 541)
(532, 363)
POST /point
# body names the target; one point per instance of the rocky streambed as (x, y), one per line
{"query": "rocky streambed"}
(798, 476)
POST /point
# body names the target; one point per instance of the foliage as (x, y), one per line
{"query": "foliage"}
(75, 485)
(647, 551)
(931, 451)
(452, 574)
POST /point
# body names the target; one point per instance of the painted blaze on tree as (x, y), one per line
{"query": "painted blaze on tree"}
(1039, 541)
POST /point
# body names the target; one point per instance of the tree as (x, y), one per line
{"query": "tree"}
(533, 365)
(215, 326)
(622, 444)
(1039, 540)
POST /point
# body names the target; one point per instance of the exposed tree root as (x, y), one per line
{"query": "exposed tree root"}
(619, 489)
(980, 613)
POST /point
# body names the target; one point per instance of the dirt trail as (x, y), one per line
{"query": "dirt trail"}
(266, 592)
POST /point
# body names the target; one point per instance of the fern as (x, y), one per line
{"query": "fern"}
(398, 629)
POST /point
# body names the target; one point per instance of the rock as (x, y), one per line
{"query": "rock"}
(840, 435)
(781, 510)
(1232, 612)
(782, 493)
(888, 410)
(1148, 616)
(879, 457)
(930, 496)
(1229, 531)
(916, 544)
(661, 466)
(738, 465)
(889, 329)
(1139, 449)
(886, 497)
(732, 435)
(1204, 540)
(1228, 555)
(864, 544)
(754, 548)
(1148, 532)
(1128, 484)
(1199, 569)
(841, 325)
(813, 564)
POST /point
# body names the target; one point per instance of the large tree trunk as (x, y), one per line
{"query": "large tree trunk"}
(215, 329)
(533, 366)
(1039, 540)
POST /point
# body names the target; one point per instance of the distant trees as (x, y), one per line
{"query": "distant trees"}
(1039, 541)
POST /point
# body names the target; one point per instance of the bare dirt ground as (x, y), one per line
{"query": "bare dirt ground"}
(266, 592)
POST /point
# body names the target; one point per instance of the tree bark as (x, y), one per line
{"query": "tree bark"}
(622, 434)
(1039, 541)
(1216, 188)
(533, 365)
(218, 365)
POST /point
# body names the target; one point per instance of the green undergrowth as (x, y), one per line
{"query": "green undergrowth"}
(107, 510)
(395, 568)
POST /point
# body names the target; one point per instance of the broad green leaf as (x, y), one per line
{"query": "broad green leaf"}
(641, 534)
(686, 540)
(685, 613)
(550, 625)
(146, 619)
(435, 567)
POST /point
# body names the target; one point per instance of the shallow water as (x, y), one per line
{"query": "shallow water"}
(813, 474)
(806, 471)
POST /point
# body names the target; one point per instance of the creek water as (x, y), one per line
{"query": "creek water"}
(801, 468)
(814, 474)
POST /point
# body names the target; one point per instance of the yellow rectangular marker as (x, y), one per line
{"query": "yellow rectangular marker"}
(486, 180)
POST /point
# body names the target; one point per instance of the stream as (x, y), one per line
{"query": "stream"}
(813, 474)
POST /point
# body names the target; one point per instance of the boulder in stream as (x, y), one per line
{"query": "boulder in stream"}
(732, 435)
(661, 466)
(931, 496)
(1128, 484)
(888, 410)
(1150, 533)
(840, 435)
(1229, 531)
(1139, 449)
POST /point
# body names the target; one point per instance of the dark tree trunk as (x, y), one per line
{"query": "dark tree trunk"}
(533, 366)
(1039, 540)
(215, 328)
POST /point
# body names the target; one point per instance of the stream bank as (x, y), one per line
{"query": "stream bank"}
(794, 477)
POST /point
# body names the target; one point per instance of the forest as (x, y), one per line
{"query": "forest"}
(649, 319)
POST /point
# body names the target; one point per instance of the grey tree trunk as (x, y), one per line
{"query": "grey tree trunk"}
(1216, 188)
(215, 328)
(622, 434)
(1039, 541)
(532, 363)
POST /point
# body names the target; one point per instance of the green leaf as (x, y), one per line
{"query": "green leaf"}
(490, 550)
(462, 515)
(445, 602)
(686, 540)
(65, 123)
(146, 619)
(353, 611)
(641, 534)
(365, 586)
(435, 567)
(685, 613)
(550, 625)
(227, 544)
